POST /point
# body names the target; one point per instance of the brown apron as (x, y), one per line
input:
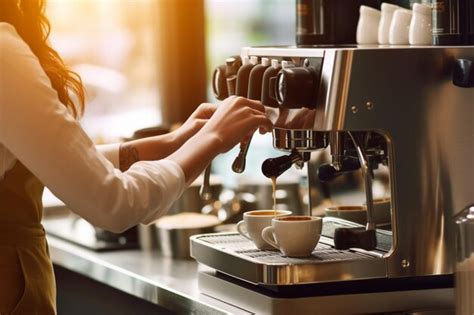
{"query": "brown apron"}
(27, 284)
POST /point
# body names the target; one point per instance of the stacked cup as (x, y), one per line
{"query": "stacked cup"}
(369, 20)
(420, 26)
(385, 21)
(400, 27)
(394, 25)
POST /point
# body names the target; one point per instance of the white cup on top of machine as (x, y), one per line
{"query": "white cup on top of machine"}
(385, 21)
(399, 28)
(420, 26)
(368, 25)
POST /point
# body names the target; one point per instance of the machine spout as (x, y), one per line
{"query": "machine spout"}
(274, 167)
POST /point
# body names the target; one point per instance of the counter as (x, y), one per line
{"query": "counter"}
(167, 283)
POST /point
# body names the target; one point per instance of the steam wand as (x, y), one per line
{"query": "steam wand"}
(345, 238)
(239, 163)
(205, 191)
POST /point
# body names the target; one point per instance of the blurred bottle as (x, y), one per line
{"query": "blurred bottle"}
(453, 22)
(320, 22)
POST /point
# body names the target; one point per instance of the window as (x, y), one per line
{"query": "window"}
(110, 43)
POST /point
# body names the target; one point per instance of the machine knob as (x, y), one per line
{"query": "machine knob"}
(233, 65)
(268, 89)
(219, 83)
(296, 87)
(255, 80)
(242, 83)
(463, 73)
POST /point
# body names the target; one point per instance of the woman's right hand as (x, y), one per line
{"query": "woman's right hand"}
(234, 120)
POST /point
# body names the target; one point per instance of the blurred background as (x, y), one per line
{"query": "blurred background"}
(148, 62)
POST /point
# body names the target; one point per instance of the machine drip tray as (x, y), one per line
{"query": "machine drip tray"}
(232, 254)
(241, 246)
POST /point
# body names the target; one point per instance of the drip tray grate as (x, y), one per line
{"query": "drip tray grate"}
(236, 244)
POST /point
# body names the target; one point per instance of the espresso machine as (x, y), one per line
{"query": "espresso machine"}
(410, 109)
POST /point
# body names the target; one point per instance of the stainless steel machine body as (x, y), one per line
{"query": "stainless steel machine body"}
(406, 95)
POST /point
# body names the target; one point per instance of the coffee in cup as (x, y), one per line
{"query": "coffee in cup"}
(255, 221)
(294, 236)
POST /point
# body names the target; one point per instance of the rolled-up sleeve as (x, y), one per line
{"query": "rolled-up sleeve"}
(110, 152)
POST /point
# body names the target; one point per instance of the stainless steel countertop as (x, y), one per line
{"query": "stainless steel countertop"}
(170, 283)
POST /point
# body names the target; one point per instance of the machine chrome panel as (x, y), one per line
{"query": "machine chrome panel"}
(405, 93)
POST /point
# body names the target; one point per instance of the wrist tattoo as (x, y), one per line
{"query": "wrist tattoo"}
(128, 154)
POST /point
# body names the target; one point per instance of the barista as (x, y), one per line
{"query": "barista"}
(113, 187)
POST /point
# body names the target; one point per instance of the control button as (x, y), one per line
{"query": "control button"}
(463, 73)
(255, 80)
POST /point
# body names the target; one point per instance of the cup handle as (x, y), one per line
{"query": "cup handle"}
(267, 235)
(240, 226)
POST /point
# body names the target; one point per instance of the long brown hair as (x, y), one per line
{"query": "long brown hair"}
(27, 16)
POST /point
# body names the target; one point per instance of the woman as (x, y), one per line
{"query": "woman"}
(113, 187)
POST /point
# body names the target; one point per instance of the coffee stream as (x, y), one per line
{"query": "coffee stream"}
(274, 179)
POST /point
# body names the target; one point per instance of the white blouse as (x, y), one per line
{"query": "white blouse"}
(36, 129)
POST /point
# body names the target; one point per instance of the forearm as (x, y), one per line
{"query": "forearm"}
(147, 149)
(194, 156)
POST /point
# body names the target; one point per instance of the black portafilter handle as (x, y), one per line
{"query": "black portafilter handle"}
(327, 172)
(345, 238)
(274, 167)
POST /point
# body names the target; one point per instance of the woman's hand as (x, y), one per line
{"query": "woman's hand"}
(194, 123)
(233, 120)
(159, 147)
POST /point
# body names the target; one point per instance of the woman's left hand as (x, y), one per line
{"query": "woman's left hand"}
(195, 122)
(159, 147)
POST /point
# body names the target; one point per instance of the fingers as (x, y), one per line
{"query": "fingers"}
(206, 110)
(199, 122)
(263, 131)
(264, 124)
(241, 101)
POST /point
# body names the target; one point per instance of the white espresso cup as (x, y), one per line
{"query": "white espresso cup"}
(368, 25)
(385, 21)
(254, 222)
(294, 236)
(420, 26)
(398, 33)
